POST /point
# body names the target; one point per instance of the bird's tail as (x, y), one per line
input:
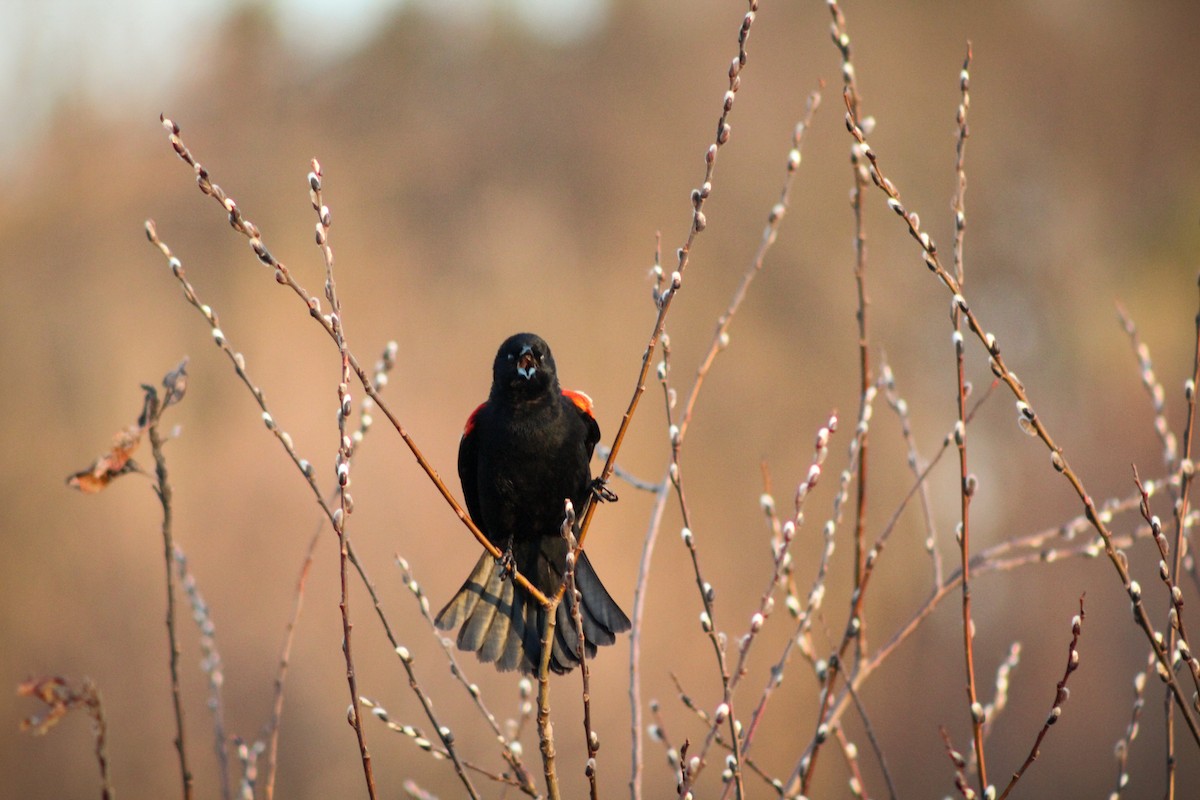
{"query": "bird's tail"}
(502, 624)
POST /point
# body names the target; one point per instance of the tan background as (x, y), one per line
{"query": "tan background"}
(483, 181)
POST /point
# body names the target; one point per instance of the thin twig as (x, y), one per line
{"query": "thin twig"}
(658, 733)
(285, 655)
(649, 541)
(720, 339)
(708, 720)
(960, 765)
(248, 758)
(1131, 731)
(248, 229)
(876, 747)
(283, 275)
(343, 466)
(828, 671)
(162, 488)
(1000, 699)
(1186, 472)
(850, 754)
(545, 729)
(665, 296)
(1060, 697)
(719, 342)
(766, 604)
(725, 710)
(211, 664)
(635, 638)
(1030, 421)
(1178, 629)
(688, 767)
(508, 747)
(967, 481)
(898, 404)
(1153, 387)
(383, 366)
(591, 739)
(60, 698)
(426, 744)
(850, 89)
(992, 560)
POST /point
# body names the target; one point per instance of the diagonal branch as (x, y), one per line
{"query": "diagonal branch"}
(1030, 422)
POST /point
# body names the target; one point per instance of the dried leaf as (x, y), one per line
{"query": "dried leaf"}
(57, 696)
(175, 383)
(111, 465)
(117, 461)
(150, 406)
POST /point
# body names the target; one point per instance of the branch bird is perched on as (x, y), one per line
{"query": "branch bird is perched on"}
(523, 453)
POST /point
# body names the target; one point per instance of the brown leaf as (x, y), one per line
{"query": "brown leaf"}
(117, 461)
(52, 691)
(60, 698)
(111, 465)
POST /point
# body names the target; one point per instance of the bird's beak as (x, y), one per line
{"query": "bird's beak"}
(526, 364)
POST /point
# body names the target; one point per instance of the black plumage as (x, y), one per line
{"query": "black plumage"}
(525, 451)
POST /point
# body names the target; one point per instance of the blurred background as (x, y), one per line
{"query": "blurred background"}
(505, 165)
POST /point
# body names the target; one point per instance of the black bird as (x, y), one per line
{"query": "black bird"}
(523, 453)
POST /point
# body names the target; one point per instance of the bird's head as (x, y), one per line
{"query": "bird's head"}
(524, 368)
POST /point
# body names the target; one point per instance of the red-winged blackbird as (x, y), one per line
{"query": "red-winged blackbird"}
(523, 453)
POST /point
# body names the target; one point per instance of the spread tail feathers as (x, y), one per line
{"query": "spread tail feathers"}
(501, 624)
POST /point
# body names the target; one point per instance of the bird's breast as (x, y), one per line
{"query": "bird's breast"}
(533, 463)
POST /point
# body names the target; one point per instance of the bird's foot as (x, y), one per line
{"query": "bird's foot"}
(508, 564)
(601, 492)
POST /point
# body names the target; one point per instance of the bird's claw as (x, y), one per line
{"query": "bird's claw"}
(601, 492)
(508, 564)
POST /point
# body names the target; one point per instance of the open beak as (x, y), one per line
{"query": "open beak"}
(526, 364)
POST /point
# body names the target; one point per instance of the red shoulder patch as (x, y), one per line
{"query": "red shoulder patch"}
(470, 426)
(581, 401)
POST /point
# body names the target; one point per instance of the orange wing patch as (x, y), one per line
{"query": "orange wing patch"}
(470, 426)
(581, 401)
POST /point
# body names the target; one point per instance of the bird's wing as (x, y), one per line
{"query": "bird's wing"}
(583, 406)
(468, 464)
